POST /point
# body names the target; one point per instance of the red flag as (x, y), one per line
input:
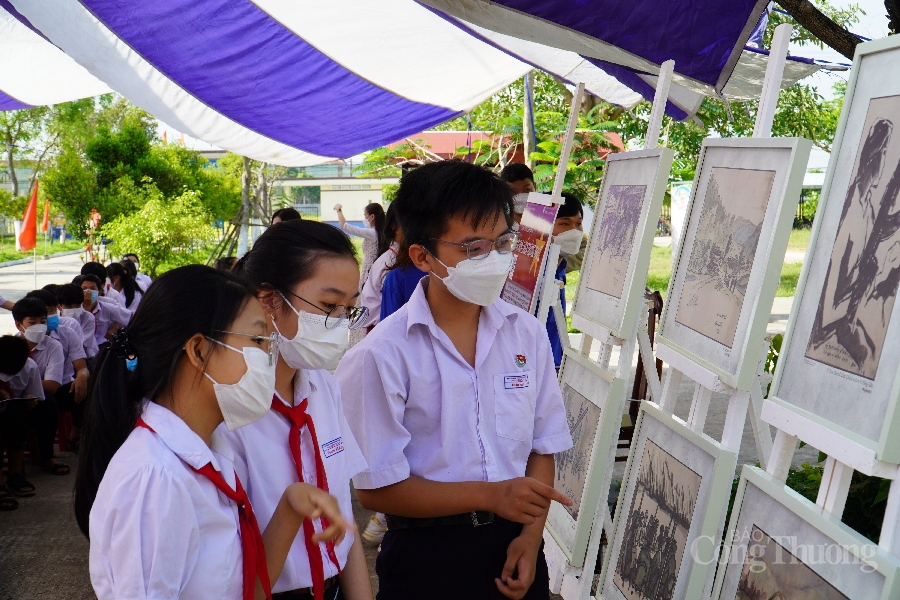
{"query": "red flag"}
(28, 235)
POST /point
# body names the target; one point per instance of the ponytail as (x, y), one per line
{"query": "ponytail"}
(141, 362)
(129, 286)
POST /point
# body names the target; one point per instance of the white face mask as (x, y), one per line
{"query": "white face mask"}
(569, 242)
(314, 346)
(36, 333)
(249, 399)
(478, 281)
(72, 312)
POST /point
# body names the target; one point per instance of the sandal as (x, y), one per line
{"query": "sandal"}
(56, 468)
(17, 485)
(7, 502)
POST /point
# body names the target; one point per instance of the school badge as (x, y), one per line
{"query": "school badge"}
(521, 360)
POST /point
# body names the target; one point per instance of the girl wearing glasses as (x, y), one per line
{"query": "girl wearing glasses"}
(307, 279)
(157, 491)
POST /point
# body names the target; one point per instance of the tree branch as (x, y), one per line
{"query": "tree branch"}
(831, 34)
(893, 9)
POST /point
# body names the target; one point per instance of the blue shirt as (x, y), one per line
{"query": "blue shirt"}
(552, 331)
(398, 288)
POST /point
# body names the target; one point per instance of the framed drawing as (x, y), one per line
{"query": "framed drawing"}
(729, 259)
(840, 364)
(611, 289)
(674, 496)
(530, 256)
(593, 400)
(781, 545)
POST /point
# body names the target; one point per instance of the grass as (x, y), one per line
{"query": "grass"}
(799, 240)
(8, 249)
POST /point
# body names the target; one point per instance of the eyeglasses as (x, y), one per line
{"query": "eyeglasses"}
(354, 315)
(477, 249)
(271, 342)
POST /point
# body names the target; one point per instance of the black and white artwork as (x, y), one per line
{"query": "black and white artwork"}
(771, 572)
(656, 530)
(572, 465)
(618, 225)
(724, 247)
(862, 277)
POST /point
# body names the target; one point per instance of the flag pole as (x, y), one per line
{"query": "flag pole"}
(34, 264)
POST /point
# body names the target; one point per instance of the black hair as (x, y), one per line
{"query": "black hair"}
(516, 172)
(430, 195)
(377, 211)
(136, 259)
(129, 266)
(13, 354)
(51, 287)
(44, 296)
(287, 214)
(181, 303)
(571, 207)
(92, 278)
(225, 263)
(389, 233)
(69, 294)
(28, 307)
(94, 268)
(289, 252)
(129, 287)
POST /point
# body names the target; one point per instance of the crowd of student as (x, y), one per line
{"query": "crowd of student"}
(217, 448)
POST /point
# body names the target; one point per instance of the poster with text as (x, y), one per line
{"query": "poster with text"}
(528, 258)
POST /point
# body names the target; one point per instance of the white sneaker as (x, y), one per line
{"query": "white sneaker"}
(374, 532)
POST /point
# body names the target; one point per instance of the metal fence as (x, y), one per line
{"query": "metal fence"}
(309, 211)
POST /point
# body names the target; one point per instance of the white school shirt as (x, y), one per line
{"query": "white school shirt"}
(27, 382)
(134, 301)
(105, 314)
(160, 530)
(420, 409)
(73, 349)
(370, 296)
(112, 293)
(50, 359)
(265, 465)
(366, 233)
(143, 280)
(88, 324)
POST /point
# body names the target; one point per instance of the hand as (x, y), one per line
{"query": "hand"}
(337, 208)
(518, 570)
(310, 502)
(79, 386)
(31, 403)
(525, 499)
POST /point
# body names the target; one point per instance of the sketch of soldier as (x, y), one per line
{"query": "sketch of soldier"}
(862, 229)
(633, 535)
(644, 563)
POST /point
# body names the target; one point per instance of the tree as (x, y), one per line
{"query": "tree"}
(822, 24)
(164, 232)
(17, 129)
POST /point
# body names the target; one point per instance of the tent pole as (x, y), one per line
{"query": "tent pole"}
(568, 141)
(768, 99)
(659, 104)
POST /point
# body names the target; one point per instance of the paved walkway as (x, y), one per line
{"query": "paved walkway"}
(18, 280)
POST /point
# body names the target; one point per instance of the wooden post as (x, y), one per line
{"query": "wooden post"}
(768, 100)
(567, 143)
(659, 104)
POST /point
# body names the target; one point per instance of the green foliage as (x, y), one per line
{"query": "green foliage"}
(162, 232)
(846, 17)
(12, 207)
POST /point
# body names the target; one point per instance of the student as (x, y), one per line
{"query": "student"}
(568, 232)
(4, 303)
(225, 263)
(373, 215)
(285, 214)
(521, 179)
(142, 280)
(156, 490)
(306, 275)
(370, 297)
(70, 298)
(456, 406)
(399, 283)
(108, 314)
(19, 378)
(123, 283)
(67, 331)
(30, 315)
(106, 288)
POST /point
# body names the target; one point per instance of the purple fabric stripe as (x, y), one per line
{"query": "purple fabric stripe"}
(7, 102)
(249, 67)
(631, 79)
(699, 35)
(8, 7)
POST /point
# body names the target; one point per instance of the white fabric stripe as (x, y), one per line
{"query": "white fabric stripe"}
(36, 72)
(567, 65)
(401, 46)
(101, 52)
(747, 79)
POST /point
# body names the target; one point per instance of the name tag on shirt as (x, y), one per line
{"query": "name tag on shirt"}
(335, 446)
(518, 381)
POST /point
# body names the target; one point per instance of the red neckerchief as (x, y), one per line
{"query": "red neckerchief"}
(297, 417)
(254, 552)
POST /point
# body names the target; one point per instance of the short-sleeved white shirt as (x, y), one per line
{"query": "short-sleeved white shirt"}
(266, 467)
(105, 314)
(88, 325)
(27, 382)
(50, 359)
(370, 296)
(73, 349)
(418, 408)
(160, 530)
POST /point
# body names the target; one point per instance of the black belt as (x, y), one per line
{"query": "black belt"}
(305, 592)
(472, 519)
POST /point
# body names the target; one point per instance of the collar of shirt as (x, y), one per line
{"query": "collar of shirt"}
(303, 388)
(184, 442)
(41, 345)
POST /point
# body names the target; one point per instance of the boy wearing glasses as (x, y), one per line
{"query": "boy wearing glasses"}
(455, 404)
